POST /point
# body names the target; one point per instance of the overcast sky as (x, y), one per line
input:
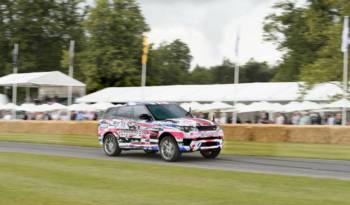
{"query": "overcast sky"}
(209, 27)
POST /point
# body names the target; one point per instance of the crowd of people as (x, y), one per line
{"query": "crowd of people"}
(56, 115)
(296, 118)
(299, 118)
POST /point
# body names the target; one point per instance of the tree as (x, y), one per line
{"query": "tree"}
(223, 73)
(329, 62)
(254, 71)
(300, 32)
(113, 55)
(40, 28)
(200, 75)
(170, 64)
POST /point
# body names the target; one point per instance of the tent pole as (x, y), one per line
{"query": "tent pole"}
(14, 86)
(27, 94)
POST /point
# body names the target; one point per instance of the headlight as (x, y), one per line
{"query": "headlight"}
(187, 128)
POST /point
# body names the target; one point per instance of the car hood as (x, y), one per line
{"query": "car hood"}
(186, 122)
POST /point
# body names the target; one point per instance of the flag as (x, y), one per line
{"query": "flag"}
(345, 36)
(145, 50)
(237, 44)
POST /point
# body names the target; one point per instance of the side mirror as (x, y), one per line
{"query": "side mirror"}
(146, 117)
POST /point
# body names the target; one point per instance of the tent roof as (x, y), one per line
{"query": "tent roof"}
(53, 78)
(244, 92)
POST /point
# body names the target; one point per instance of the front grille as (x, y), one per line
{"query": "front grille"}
(207, 128)
(187, 142)
(209, 144)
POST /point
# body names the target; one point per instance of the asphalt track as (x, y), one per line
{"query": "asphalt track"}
(336, 169)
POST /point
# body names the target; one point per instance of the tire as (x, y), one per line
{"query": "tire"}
(169, 150)
(111, 145)
(150, 151)
(210, 153)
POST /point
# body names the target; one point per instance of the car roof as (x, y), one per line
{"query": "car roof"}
(141, 103)
(148, 103)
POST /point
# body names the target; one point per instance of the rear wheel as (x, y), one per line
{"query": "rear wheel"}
(169, 150)
(210, 153)
(111, 146)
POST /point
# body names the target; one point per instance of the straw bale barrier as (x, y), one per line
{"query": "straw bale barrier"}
(49, 127)
(243, 132)
(288, 133)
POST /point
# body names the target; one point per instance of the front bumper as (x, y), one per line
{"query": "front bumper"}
(201, 144)
(202, 141)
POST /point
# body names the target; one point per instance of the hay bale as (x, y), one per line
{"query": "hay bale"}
(339, 135)
(49, 127)
(309, 134)
(237, 132)
(269, 133)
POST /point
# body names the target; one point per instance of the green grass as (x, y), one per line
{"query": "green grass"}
(320, 151)
(75, 140)
(46, 180)
(285, 149)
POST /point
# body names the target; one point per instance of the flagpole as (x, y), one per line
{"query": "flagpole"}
(345, 84)
(345, 44)
(236, 74)
(71, 70)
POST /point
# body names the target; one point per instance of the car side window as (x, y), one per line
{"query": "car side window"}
(139, 110)
(111, 113)
(124, 112)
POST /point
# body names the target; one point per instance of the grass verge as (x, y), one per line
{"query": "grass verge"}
(40, 180)
(319, 151)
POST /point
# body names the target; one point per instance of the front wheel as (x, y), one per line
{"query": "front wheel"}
(210, 153)
(111, 146)
(169, 150)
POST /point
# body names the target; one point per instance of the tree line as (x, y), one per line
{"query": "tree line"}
(109, 38)
(310, 37)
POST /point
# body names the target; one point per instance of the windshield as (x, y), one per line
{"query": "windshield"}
(167, 111)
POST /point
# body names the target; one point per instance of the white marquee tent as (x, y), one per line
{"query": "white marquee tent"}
(244, 92)
(338, 104)
(52, 83)
(54, 78)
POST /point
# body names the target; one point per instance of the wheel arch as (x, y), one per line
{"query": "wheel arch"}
(165, 134)
(105, 134)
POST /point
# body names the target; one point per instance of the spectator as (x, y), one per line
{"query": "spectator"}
(95, 116)
(295, 118)
(65, 116)
(7, 116)
(330, 119)
(55, 115)
(79, 116)
(315, 119)
(73, 115)
(338, 119)
(89, 116)
(264, 118)
(305, 119)
(280, 119)
(39, 116)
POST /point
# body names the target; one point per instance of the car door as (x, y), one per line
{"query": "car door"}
(124, 122)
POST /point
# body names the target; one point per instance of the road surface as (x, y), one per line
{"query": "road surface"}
(336, 169)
